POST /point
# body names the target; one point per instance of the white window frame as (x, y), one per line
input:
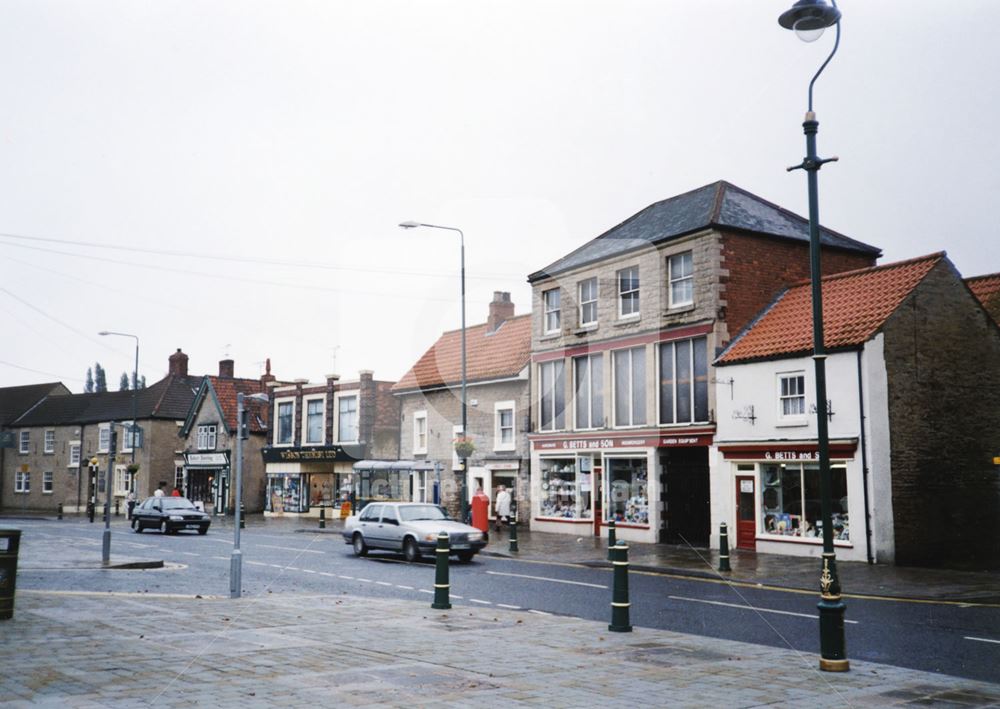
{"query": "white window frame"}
(103, 438)
(207, 436)
(631, 387)
(554, 418)
(278, 403)
(121, 481)
(622, 315)
(551, 313)
(590, 392)
(24, 442)
(584, 302)
(75, 454)
(677, 276)
(48, 482)
(22, 482)
(356, 395)
(306, 400)
(419, 447)
(126, 437)
(49, 441)
(498, 429)
(792, 419)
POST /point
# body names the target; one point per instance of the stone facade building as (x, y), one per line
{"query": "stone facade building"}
(15, 401)
(498, 410)
(623, 333)
(913, 377)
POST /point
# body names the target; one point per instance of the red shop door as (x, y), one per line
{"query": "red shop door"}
(746, 514)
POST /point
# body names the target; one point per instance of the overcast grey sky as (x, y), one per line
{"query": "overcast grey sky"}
(296, 135)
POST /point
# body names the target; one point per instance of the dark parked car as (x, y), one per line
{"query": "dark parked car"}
(169, 515)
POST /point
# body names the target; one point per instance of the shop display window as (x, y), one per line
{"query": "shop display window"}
(566, 488)
(628, 493)
(790, 502)
(284, 494)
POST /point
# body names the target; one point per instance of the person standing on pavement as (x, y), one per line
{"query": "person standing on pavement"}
(502, 507)
(130, 503)
(159, 491)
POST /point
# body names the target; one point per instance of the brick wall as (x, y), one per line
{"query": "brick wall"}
(943, 362)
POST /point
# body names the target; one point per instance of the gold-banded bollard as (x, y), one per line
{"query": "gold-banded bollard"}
(619, 593)
(611, 539)
(724, 547)
(441, 585)
(322, 518)
(513, 530)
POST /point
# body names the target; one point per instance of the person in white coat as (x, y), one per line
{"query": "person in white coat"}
(502, 506)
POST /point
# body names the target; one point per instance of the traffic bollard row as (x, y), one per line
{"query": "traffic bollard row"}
(441, 586)
(619, 593)
(723, 548)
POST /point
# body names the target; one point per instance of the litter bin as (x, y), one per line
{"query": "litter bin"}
(10, 540)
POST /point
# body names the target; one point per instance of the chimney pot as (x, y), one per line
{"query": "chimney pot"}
(226, 368)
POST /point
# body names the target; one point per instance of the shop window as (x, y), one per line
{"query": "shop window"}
(283, 429)
(630, 386)
(790, 500)
(552, 399)
(22, 481)
(74, 455)
(589, 397)
(628, 292)
(504, 426)
(588, 302)
(551, 311)
(420, 432)
(684, 381)
(206, 437)
(24, 442)
(347, 418)
(566, 489)
(314, 420)
(50, 442)
(681, 277)
(792, 395)
(628, 493)
(47, 482)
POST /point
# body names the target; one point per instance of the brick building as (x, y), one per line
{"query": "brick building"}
(318, 432)
(57, 438)
(15, 401)
(913, 378)
(623, 333)
(498, 410)
(205, 469)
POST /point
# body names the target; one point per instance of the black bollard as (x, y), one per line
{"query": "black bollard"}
(723, 548)
(611, 539)
(322, 518)
(619, 593)
(441, 586)
(117, 503)
(243, 516)
(90, 511)
(513, 530)
(60, 510)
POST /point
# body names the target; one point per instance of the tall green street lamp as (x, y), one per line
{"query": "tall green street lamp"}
(465, 408)
(809, 18)
(242, 432)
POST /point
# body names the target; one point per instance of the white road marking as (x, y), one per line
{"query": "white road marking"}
(476, 600)
(546, 578)
(982, 640)
(303, 551)
(222, 558)
(532, 610)
(408, 588)
(308, 571)
(190, 553)
(364, 580)
(326, 573)
(257, 563)
(341, 576)
(292, 568)
(424, 590)
(506, 605)
(276, 566)
(745, 607)
(383, 583)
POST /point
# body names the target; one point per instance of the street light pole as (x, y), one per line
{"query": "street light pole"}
(135, 388)
(465, 407)
(808, 18)
(242, 431)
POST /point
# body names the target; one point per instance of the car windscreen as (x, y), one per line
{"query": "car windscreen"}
(176, 503)
(412, 513)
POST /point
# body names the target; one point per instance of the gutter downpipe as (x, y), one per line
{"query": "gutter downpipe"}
(864, 463)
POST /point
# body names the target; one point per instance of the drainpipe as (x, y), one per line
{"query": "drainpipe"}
(79, 469)
(864, 464)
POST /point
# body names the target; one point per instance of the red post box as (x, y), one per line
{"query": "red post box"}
(481, 511)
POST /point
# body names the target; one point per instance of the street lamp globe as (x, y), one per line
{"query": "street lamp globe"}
(809, 19)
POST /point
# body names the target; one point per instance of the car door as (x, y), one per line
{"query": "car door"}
(390, 529)
(368, 524)
(144, 513)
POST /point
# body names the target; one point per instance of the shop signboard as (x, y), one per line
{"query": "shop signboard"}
(206, 460)
(626, 441)
(313, 454)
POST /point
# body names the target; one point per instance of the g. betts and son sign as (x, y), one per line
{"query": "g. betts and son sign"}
(621, 442)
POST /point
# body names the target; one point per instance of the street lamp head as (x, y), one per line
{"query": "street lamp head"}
(409, 225)
(104, 332)
(809, 18)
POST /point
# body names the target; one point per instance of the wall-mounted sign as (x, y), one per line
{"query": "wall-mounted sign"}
(206, 460)
(623, 441)
(315, 454)
(779, 452)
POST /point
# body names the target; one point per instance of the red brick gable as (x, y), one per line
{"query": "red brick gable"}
(855, 305)
(226, 390)
(503, 353)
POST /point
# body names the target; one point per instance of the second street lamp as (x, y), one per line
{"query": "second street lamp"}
(242, 431)
(809, 17)
(465, 410)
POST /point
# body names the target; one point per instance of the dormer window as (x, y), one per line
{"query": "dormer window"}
(206, 437)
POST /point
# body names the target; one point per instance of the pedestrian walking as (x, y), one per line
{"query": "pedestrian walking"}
(502, 507)
(159, 490)
(130, 503)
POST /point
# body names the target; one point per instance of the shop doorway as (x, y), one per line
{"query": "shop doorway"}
(746, 522)
(200, 487)
(684, 496)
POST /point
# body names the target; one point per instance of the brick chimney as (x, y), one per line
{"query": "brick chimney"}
(178, 364)
(226, 367)
(500, 310)
(267, 378)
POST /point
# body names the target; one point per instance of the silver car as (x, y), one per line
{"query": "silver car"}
(409, 527)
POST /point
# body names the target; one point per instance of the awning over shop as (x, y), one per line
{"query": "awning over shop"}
(392, 465)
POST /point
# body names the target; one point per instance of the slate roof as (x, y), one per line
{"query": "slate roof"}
(719, 205)
(855, 306)
(169, 398)
(15, 401)
(498, 355)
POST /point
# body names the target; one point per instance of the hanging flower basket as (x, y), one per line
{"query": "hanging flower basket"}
(464, 447)
(133, 468)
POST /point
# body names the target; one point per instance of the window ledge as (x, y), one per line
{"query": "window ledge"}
(679, 309)
(815, 541)
(628, 320)
(585, 330)
(549, 336)
(564, 520)
(792, 423)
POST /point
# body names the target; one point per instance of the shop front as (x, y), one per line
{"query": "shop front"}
(303, 481)
(489, 476)
(769, 494)
(395, 481)
(206, 481)
(580, 483)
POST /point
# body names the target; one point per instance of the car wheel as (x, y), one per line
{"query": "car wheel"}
(410, 550)
(203, 530)
(466, 556)
(136, 527)
(360, 548)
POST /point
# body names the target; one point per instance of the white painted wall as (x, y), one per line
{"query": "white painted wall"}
(878, 448)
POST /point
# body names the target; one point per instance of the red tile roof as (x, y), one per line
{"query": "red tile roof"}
(226, 390)
(855, 305)
(496, 355)
(986, 288)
